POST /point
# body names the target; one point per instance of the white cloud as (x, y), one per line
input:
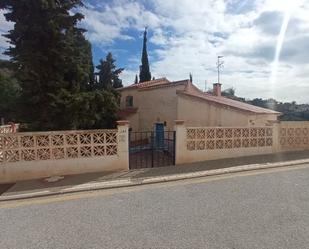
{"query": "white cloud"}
(128, 76)
(105, 23)
(197, 39)
(190, 35)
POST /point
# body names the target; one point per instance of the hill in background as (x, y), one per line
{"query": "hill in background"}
(291, 111)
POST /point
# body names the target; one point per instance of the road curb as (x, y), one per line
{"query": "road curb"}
(150, 180)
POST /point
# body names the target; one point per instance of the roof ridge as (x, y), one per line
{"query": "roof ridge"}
(153, 82)
(167, 84)
(227, 101)
(145, 83)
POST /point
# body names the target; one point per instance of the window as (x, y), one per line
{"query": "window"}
(129, 101)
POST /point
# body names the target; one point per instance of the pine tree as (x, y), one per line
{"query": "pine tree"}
(144, 74)
(53, 61)
(109, 74)
(9, 93)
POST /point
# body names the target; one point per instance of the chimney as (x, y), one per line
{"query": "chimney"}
(217, 89)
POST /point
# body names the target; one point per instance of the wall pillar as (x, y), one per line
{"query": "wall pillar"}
(123, 142)
(180, 146)
(276, 138)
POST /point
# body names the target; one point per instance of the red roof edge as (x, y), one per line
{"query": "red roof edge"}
(193, 91)
(146, 83)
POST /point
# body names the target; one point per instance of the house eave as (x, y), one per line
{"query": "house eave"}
(180, 92)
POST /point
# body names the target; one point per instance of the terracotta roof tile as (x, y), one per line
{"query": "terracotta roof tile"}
(193, 91)
(146, 84)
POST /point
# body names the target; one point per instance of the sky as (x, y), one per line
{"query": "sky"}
(265, 43)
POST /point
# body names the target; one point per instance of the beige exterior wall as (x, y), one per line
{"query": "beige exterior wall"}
(134, 121)
(200, 113)
(293, 135)
(32, 162)
(25, 156)
(164, 104)
(194, 144)
(262, 119)
(155, 105)
(200, 156)
(129, 92)
(21, 171)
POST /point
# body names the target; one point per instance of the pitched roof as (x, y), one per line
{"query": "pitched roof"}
(147, 84)
(158, 83)
(193, 91)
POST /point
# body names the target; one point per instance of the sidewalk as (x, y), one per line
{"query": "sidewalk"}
(93, 181)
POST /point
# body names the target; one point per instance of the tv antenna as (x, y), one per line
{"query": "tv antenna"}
(220, 64)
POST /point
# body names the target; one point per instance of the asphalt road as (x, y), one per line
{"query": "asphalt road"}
(268, 209)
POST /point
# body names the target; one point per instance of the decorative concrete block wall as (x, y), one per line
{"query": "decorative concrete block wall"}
(36, 155)
(195, 144)
(219, 138)
(9, 128)
(44, 154)
(293, 136)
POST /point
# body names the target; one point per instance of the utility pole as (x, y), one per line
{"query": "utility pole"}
(219, 66)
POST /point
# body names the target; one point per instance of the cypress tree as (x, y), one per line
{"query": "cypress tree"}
(144, 74)
(53, 61)
(136, 79)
